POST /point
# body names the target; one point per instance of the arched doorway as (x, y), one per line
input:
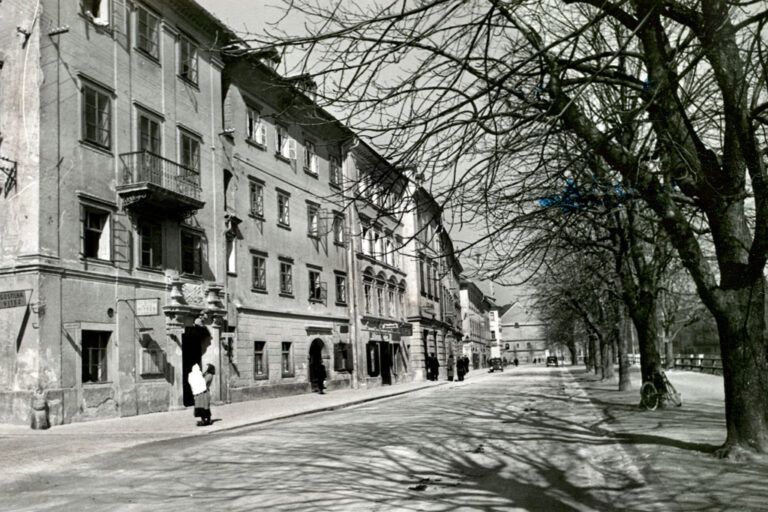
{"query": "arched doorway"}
(316, 350)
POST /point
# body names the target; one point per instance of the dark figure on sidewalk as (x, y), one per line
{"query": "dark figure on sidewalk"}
(428, 366)
(435, 367)
(465, 360)
(321, 376)
(449, 368)
(516, 362)
(201, 385)
(460, 368)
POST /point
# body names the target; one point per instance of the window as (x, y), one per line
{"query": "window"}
(94, 355)
(98, 11)
(148, 33)
(372, 352)
(365, 235)
(367, 296)
(97, 116)
(190, 151)
(342, 357)
(257, 199)
(380, 300)
(286, 146)
(310, 157)
(391, 302)
(335, 171)
(341, 289)
(377, 249)
(259, 273)
(191, 253)
(150, 244)
(286, 278)
(316, 287)
(338, 229)
(231, 256)
(286, 360)
(260, 368)
(313, 220)
(187, 60)
(401, 301)
(96, 238)
(256, 128)
(422, 277)
(283, 213)
(152, 360)
(389, 255)
(149, 133)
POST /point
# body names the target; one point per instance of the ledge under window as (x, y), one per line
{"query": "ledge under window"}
(288, 375)
(255, 144)
(97, 147)
(260, 290)
(309, 172)
(284, 226)
(287, 295)
(284, 158)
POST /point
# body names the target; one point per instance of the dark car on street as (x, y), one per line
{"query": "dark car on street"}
(495, 364)
(552, 361)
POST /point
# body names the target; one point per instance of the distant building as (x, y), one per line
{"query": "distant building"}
(475, 321)
(522, 336)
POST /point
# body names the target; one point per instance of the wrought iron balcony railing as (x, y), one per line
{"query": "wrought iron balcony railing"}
(146, 167)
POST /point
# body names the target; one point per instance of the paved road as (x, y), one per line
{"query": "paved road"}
(520, 440)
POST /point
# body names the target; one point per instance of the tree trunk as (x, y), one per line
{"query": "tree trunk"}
(644, 318)
(744, 352)
(670, 355)
(594, 356)
(606, 356)
(621, 346)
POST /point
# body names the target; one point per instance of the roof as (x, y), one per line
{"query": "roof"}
(516, 313)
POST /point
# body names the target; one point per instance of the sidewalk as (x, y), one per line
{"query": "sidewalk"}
(674, 445)
(24, 451)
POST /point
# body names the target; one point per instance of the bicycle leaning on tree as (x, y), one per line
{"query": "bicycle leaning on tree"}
(657, 390)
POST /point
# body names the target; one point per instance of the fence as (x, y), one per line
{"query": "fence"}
(700, 362)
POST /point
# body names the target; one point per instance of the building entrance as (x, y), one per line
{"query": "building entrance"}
(385, 360)
(315, 358)
(192, 342)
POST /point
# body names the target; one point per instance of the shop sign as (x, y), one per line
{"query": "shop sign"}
(13, 299)
(147, 307)
(389, 327)
(406, 330)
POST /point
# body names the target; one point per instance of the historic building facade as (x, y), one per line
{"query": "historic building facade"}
(108, 254)
(287, 271)
(374, 190)
(522, 336)
(475, 321)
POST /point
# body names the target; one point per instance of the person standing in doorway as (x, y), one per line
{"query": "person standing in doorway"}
(516, 362)
(321, 376)
(449, 368)
(435, 367)
(460, 368)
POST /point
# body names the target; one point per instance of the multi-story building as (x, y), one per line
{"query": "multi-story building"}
(450, 277)
(494, 323)
(287, 274)
(379, 280)
(111, 127)
(523, 335)
(474, 313)
(422, 232)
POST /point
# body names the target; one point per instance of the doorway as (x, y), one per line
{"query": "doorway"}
(385, 358)
(192, 348)
(315, 358)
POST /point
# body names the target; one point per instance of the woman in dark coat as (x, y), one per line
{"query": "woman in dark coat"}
(449, 367)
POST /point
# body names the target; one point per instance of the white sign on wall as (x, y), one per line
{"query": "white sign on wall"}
(147, 307)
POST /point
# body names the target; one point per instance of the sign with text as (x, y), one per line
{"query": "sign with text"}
(147, 307)
(13, 299)
(406, 330)
(390, 327)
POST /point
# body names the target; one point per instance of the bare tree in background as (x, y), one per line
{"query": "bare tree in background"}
(670, 95)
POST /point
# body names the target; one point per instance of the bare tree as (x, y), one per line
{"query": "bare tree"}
(671, 96)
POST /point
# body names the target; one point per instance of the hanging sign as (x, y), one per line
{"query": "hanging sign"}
(13, 299)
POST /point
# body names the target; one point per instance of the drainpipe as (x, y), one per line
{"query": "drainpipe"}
(352, 271)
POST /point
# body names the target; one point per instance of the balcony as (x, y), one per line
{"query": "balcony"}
(151, 183)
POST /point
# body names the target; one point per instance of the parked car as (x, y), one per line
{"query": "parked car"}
(495, 364)
(552, 361)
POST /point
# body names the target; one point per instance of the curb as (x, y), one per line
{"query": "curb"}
(326, 408)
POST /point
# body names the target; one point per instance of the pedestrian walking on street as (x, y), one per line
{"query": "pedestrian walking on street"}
(449, 368)
(516, 362)
(466, 365)
(321, 376)
(200, 384)
(460, 368)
